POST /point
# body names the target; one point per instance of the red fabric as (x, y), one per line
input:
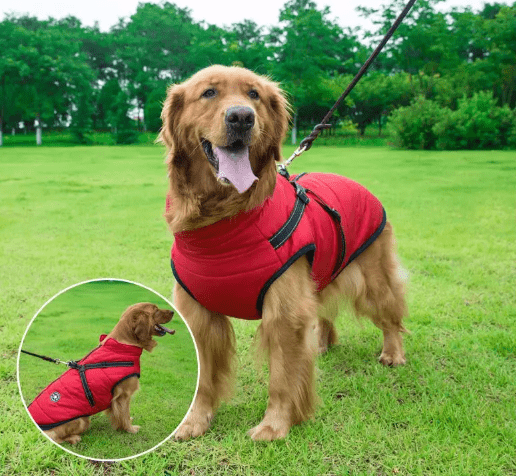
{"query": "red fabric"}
(72, 402)
(226, 265)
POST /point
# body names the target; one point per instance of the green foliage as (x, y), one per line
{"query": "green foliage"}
(313, 49)
(153, 106)
(413, 126)
(82, 118)
(126, 136)
(478, 123)
(41, 64)
(377, 95)
(245, 46)
(57, 68)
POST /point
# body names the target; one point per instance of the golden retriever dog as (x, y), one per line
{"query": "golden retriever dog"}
(105, 379)
(223, 129)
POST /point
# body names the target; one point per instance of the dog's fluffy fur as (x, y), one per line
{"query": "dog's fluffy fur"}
(135, 327)
(297, 321)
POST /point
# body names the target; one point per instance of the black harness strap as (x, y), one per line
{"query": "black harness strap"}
(100, 365)
(284, 233)
(335, 216)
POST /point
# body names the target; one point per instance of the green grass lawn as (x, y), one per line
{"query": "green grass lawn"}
(69, 327)
(72, 214)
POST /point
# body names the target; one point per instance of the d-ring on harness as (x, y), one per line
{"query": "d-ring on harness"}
(306, 143)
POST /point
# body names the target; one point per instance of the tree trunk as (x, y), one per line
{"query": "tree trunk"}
(294, 130)
(1, 136)
(380, 126)
(37, 123)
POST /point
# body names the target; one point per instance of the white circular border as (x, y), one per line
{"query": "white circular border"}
(93, 281)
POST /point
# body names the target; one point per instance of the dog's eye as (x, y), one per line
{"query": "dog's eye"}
(209, 93)
(253, 94)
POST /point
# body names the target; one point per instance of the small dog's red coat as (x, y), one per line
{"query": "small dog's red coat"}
(65, 398)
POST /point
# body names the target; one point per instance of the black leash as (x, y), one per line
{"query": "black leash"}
(306, 143)
(48, 359)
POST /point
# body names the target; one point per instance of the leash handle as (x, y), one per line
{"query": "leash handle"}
(306, 143)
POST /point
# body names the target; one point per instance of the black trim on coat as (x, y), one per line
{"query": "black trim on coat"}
(303, 251)
(122, 379)
(53, 425)
(370, 240)
(178, 279)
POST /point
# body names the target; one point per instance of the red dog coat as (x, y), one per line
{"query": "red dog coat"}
(229, 266)
(88, 388)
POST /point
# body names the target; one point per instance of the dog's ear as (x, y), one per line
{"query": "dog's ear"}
(279, 109)
(142, 330)
(170, 113)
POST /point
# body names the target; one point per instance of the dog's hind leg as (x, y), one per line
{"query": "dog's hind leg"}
(288, 333)
(119, 412)
(375, 284)
(70, 431)
(327, 311)
(215, 341)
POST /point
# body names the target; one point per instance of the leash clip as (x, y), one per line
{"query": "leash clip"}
(296, 153)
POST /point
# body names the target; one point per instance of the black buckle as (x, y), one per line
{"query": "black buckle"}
(74, 365)
(283, 172)
(301, 193)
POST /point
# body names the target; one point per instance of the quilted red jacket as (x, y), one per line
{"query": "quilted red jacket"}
(88, 388)
(229, 266)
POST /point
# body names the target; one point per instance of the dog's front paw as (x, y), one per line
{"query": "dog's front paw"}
(195, 425)
(133, 429)
(392, 360)
(73, 439)
(269, 431)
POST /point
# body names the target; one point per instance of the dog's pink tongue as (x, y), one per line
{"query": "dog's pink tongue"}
(234, 166)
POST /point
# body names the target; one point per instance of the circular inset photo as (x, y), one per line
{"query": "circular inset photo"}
(108, 369)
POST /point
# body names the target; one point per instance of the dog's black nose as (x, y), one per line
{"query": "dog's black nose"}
(240, 118)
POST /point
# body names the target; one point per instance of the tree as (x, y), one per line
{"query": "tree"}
(82, 117)
(246, 45)
(42, 64)
(309, 49)
(502, 30)
(153, 45)
(421, 43)
(376, 96)
(153, 108)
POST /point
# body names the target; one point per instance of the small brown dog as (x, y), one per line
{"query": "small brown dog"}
(105, 379)
(245, 245)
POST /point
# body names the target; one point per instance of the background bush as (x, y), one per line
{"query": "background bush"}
(126, 136)
(413, 126)
(478, 123)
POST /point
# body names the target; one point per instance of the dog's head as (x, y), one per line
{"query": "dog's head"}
(223, 126)
(141, 322)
